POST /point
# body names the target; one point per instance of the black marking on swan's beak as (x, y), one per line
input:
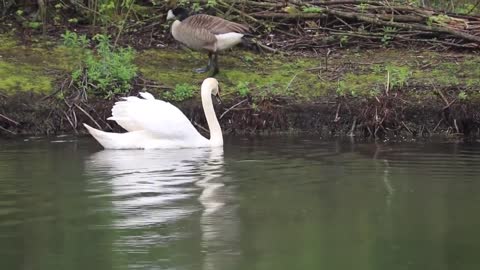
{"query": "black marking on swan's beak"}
(219, 100)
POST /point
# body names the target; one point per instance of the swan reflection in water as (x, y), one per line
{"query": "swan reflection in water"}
(153, 188)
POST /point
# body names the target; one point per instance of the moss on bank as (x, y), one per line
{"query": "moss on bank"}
(354, 73)
(259, 75)
(21, 77)
(348, 73)
(33, 68)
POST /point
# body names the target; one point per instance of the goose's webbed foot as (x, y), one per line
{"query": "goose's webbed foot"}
(208, 67)
(202, 70)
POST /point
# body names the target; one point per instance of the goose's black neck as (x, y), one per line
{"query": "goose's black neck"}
(181, 13)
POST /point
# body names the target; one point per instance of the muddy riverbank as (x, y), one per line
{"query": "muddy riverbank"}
(364, 92)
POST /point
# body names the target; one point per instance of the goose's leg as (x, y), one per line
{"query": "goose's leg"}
(215, 64)
(207, 68)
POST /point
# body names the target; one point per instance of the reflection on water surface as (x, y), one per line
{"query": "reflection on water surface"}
(266, 203)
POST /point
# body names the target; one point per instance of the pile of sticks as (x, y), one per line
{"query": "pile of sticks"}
(310, 24)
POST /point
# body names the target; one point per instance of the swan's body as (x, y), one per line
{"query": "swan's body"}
(156, 124)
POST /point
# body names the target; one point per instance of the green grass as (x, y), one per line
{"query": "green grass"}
(242, 73)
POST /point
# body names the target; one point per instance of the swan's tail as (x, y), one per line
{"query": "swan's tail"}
(110, 140)
(104, 138)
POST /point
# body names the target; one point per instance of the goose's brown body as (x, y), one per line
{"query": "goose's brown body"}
(206, 33)
(200, 32)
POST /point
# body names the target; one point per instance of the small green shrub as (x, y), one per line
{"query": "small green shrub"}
(107, 72)
(388, 35)
(312, 9)
(196, 7)
(342, 89)
(243, 89)
(34, 25)
(181, 92)
(363, 7)
(438, 19)
(462, 95)
(248, 59)
(184, 3)
(398, 75)
(343, 40)
(73, 40)
(73, 20)
(211, 3)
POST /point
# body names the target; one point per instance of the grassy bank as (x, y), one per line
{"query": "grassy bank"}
(370, 92)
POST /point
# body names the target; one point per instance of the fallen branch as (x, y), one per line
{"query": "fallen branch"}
(277, 15)
(229, 109)
(88, 115)
(9, 119)
(378, 21)
(332, 3)
(6, 130)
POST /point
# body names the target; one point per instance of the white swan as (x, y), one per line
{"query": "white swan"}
(156, 124)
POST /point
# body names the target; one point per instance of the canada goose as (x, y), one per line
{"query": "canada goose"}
(206, 33)
(155, 124)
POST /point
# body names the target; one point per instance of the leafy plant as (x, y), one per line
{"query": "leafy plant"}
(363, 7)
(73, 20)
(106, 7)
(438, 19)
(462, 95)
(196, 7)
(34, 25)
(211, 3)
(467, 8)
(312, 9)
(398, 75)
(107, 72)
(388, 34)
(181, 92)
(343, 40)
(73, 40)
(243, 89)
(183, 3)
(248, 59)
(343, 91)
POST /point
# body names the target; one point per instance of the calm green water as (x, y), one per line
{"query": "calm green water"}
(261, 204)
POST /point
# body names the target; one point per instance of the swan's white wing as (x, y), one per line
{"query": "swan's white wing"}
(121, 114)
(146, 95)
(160, 118)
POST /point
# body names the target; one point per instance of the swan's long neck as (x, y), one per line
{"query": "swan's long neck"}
(216, 138)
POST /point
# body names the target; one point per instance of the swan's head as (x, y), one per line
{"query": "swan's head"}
(211, 85)
(177, 13)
